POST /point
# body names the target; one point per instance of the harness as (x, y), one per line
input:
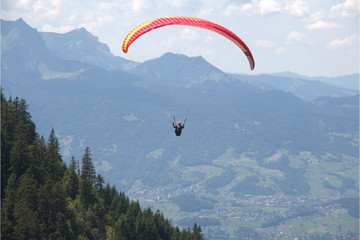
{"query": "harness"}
(178, 128)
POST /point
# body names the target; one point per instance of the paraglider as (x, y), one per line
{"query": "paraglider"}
(179, 127)
(189, 21)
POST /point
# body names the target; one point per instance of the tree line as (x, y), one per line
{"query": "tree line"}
(43, 198)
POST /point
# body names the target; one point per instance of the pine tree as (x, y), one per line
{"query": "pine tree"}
(23, 117)
(25, 207)
(146, 226)
(19, 161)
(86, 192)
(100, 214)
(197, 232)
(7, 132)
(107, 197)
(72, 180)
(73, 165)
(175, 234)
(87, 179)
(87, 167)
(53, 143)
(99, 183)
(58, 227)
(18, 133)
(53, 164)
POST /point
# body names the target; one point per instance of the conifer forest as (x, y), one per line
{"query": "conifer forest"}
(43, 198)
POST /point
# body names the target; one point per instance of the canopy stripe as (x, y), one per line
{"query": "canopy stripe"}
(189, 21)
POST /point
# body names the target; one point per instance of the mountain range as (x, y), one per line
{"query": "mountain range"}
(307, 88)
(277, 134)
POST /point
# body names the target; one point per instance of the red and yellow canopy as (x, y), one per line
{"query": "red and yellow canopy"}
(189, 21)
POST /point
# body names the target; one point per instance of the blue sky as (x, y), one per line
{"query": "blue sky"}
(313, 38)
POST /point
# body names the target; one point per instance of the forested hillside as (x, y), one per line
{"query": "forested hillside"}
(43, 198)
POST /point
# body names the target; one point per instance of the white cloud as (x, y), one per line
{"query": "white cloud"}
(319, 25)
(318, 22)
(206, 12)
(317, 16)
(91, 26)
(47, 9)
(106, 6)
(106, 14)
(280, 50)
(296, 37)
(336, 43)
(176, 3)
(38, 6)
(268, 7)
(88, 15)
(262, 7)
(183, 5)
(208, 39)
(349, 8)
(264, 43)
(298, 8)
(106, 19)
(243, 8)
(189, 34)
(73, 17)
(21, 3)
(62, 29)
(137, 5)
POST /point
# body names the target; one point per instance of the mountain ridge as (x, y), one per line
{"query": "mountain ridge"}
(350, 83)
(304, 87)
(37, 62)
(80, 45)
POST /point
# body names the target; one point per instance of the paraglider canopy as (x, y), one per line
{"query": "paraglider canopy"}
(189, 21)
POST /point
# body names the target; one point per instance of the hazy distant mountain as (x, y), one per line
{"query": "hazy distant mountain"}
(179, 70)
(243, 137)
(338, 106)
(305, 87)
(80, 45)
(26, 58)
(350, 82)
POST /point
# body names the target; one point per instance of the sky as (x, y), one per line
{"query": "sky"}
(307, 37)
